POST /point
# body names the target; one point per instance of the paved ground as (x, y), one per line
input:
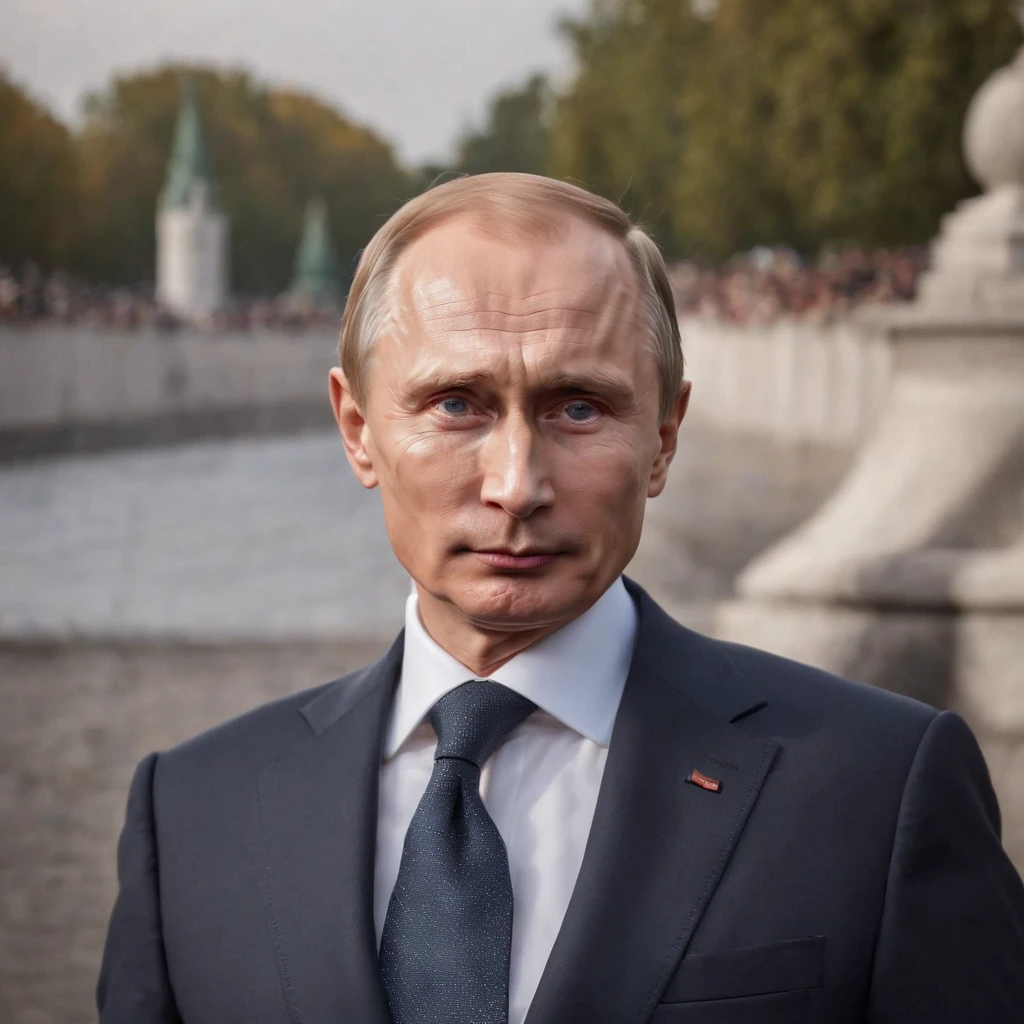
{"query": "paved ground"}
(76, 719)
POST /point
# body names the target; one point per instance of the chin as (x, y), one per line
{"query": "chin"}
(520, 601)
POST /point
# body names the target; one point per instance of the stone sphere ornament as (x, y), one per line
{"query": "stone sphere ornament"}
(994, 129)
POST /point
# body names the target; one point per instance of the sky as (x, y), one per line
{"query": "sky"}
(417, 71)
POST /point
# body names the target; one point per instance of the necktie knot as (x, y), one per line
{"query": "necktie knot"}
(471, 720)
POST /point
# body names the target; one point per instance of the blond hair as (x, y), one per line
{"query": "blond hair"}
(519, 201)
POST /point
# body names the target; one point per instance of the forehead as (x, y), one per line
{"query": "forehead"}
(473, 250)
(468, 283)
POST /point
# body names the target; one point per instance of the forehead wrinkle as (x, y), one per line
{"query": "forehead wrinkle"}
(620, 309)
(511, 277)
(539, 359)
(478, 339)
(466, 299)
(505, 298)
(525, 323)
(455, 291)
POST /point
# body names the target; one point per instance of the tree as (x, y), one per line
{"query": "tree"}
(515, 135)
(618, 128)
(833, 123)
(812, 122)
(272, 151)
(38, 181)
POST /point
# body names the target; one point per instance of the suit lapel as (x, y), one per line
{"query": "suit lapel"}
(318, 808)
(658, 844)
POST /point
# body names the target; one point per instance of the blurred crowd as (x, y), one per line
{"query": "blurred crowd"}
(26, 294)
(758, 287)
(765, 285)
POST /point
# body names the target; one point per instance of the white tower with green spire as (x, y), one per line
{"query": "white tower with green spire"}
(191, 229)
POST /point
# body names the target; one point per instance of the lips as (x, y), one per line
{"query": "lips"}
(528, 559)
(525, 553)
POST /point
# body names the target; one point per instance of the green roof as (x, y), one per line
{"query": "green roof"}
(190, 163)
(316, 266)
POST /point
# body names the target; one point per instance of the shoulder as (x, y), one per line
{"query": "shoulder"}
(838, 721)
(844, 741)
(763, 691)
(258, 735)
(823, 693)
(246, 743)
(267, 732)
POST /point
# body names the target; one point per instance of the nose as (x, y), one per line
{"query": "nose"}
(514, 474)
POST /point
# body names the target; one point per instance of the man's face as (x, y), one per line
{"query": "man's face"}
(512, 421)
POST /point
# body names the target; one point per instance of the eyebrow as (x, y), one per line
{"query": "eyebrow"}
(612, 387)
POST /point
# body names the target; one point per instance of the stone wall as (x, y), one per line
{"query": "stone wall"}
(66, 389)
(70, 389)
(53, 374)
(793, 381)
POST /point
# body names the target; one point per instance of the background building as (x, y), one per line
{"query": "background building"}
(191, 229)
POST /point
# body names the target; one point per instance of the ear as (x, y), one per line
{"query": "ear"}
(355, 433)
(668, 432)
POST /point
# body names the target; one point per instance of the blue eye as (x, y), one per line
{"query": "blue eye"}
(580, 412)
(460, 405)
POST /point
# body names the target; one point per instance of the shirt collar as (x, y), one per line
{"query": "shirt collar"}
(576, 674)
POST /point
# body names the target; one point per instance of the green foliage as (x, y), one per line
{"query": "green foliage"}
(813, 122)
(719, 125)
(271, 151)
(38, 181)
(515, 136)
(618, 129)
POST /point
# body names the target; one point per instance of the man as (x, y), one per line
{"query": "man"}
(548, 801)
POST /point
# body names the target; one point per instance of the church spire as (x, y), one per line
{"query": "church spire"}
(191, 229)
(189, 165)
(316, 266)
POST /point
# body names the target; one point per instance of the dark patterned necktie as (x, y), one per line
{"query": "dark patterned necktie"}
(444, 951)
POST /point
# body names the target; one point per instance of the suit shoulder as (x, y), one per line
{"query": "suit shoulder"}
(234, 750)
(256, 735)
(825, 694)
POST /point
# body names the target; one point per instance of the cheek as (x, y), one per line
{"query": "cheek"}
(428, 470)
(605, 480)
(613, 462)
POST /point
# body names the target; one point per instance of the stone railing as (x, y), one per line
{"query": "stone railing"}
(792, 381)
(53, 374)
(69, 388)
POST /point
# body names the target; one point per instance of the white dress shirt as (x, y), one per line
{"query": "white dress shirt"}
(540, 786)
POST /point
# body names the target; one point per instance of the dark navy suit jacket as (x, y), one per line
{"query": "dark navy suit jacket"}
(848, 868)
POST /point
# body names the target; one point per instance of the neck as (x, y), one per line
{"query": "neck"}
(481, 648)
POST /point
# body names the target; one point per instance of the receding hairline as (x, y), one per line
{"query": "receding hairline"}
(552, 230)
(548, 223)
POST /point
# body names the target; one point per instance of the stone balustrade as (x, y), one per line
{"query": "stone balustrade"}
(794, 381)
(790, 382)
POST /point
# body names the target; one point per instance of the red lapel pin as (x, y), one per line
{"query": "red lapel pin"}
(704, 781)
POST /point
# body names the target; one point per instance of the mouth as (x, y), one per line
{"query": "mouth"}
(502, 558)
